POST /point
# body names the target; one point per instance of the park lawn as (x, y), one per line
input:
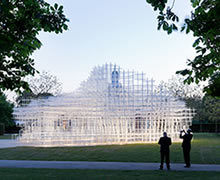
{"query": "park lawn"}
(64, 174)
(5, 136)
(205, 150)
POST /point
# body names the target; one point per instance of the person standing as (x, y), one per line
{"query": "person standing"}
(165, 143)
(186, 145)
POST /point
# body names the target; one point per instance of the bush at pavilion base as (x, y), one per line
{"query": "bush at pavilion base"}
(112, 106)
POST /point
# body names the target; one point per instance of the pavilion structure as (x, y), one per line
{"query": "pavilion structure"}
(112, 106)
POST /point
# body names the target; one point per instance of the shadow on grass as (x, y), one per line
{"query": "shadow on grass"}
(44, 174)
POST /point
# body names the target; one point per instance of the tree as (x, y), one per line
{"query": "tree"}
(213, 88)
(191, 94)
(204, 23)
(45, 83)
(183, 91)
(201, 116)
(20, 23)
(6, 109)
(207, 107)
(42, 86)
(212, 105)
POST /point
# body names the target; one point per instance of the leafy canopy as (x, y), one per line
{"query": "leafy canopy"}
(204, 23)
(20, 23)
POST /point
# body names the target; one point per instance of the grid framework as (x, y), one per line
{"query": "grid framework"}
(112, 106)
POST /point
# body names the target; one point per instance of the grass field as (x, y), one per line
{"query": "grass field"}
(205, 150)
(6, 136)
(64, 174)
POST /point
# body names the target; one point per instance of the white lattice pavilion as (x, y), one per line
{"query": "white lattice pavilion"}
(112, 106)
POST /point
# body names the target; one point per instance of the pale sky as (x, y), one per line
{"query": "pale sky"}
(123, 32)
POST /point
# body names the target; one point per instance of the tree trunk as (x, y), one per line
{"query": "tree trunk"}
(216, 126)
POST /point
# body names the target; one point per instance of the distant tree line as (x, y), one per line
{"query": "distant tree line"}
(207, 107)
(41, 86)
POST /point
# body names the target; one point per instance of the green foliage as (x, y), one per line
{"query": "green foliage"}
(204, 23)
(213, 89)
(6, 136)
(6, 110)
(212, 107)
(207, 109)
(198, 105)
(20, 23)
(2, 129)
(25, 98)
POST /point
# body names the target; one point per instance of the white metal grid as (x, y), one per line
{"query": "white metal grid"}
(112, 106)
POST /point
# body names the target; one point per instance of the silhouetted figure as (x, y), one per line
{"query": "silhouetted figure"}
(186, 145)
(165, 142)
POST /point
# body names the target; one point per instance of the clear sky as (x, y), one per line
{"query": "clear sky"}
(118, 31)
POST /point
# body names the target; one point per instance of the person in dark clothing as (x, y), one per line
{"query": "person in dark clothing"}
(186, 145)
(165, 142)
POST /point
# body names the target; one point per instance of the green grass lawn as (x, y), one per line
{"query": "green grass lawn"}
(205, 150)
(6, 136)
(44, 174)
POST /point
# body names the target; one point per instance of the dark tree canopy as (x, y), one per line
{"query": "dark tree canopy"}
(20, 23)
(204, 23)
(213, 88)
